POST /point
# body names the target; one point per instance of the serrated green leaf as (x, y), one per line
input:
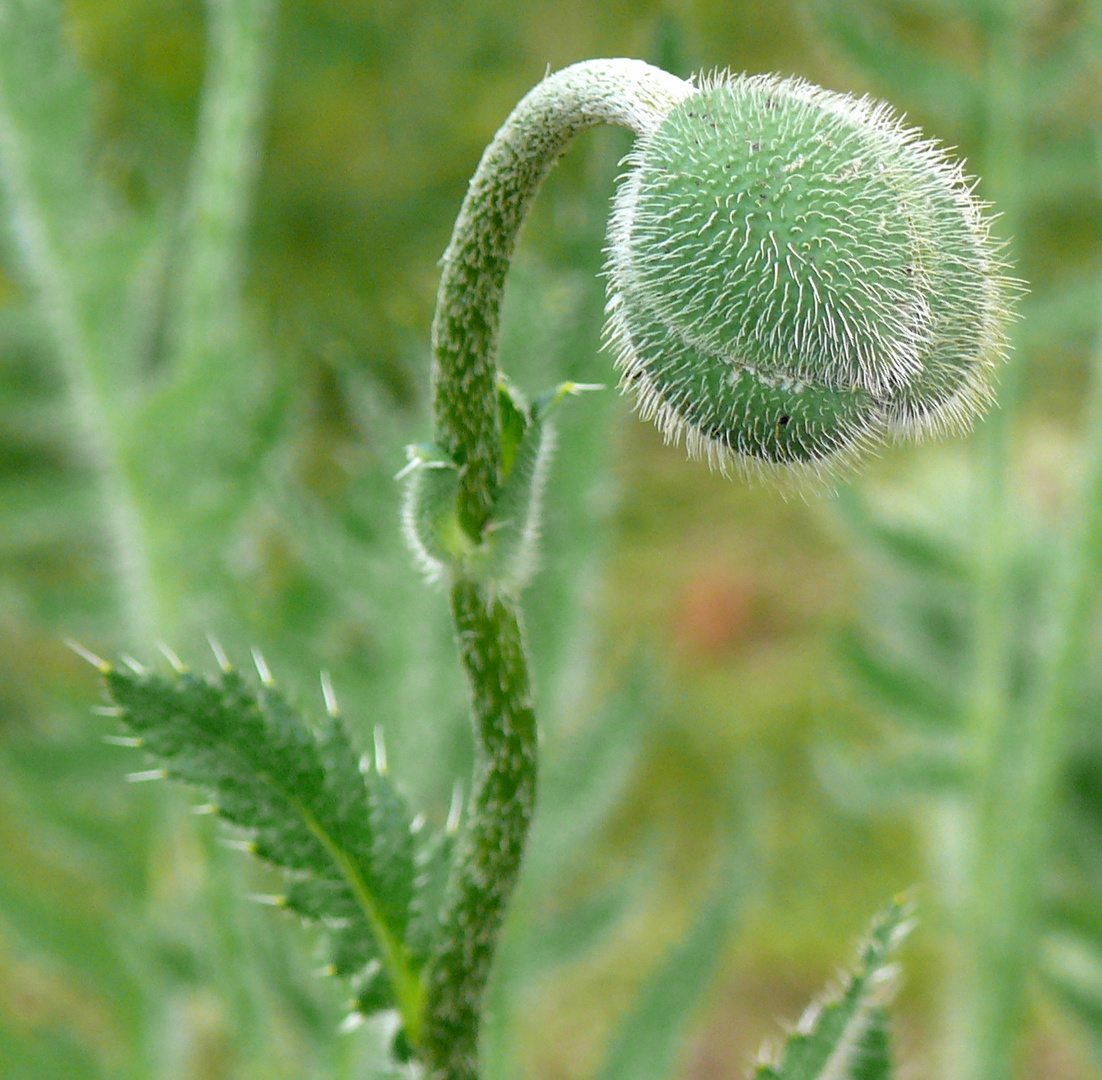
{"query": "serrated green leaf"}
(844, 1037)
(873, 1060)
(352, 945)
(371, 990)
(514, 423)
(343, 833)
(392, 847)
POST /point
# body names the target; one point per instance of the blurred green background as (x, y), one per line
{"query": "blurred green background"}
(752, 707)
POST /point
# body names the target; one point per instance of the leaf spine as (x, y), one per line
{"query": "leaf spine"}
(101, 665)
(351, 1022)
(380, 751)
(268, 899)
(262, 669)
(328, 695)
(220, 657)
(145, 776)
(177, 664)
(234, 844)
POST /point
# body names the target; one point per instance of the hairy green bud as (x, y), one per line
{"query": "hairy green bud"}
(796, 277)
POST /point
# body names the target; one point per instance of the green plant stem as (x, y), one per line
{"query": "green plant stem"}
(491, 644)
(626, 93)
(1023, 787)
(50, 277)
(224, 169)
(995, 524)
(994, 503)
(1017, 744)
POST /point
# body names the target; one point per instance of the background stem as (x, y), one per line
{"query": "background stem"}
(226, 161)
(1018, 738)
(53, 281)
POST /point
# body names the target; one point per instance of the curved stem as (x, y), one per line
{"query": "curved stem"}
(626, 93)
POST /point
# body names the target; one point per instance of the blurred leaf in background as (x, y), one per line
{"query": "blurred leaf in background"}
(979, 638)
(244, 208)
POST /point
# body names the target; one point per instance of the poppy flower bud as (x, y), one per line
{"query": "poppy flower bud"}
(795, 277)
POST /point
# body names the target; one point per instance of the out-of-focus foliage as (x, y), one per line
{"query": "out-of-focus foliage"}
(980, 639)
(259, 460)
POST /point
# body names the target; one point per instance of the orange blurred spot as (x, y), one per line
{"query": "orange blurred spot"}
(713, 613)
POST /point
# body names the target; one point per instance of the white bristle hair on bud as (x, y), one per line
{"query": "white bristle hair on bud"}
(795, 278)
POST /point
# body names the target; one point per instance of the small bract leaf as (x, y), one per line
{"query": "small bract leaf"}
(505, 553)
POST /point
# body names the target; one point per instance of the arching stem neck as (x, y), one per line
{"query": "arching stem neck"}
(625, 93)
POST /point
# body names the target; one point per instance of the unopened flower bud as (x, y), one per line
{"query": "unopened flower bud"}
(796, 277)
